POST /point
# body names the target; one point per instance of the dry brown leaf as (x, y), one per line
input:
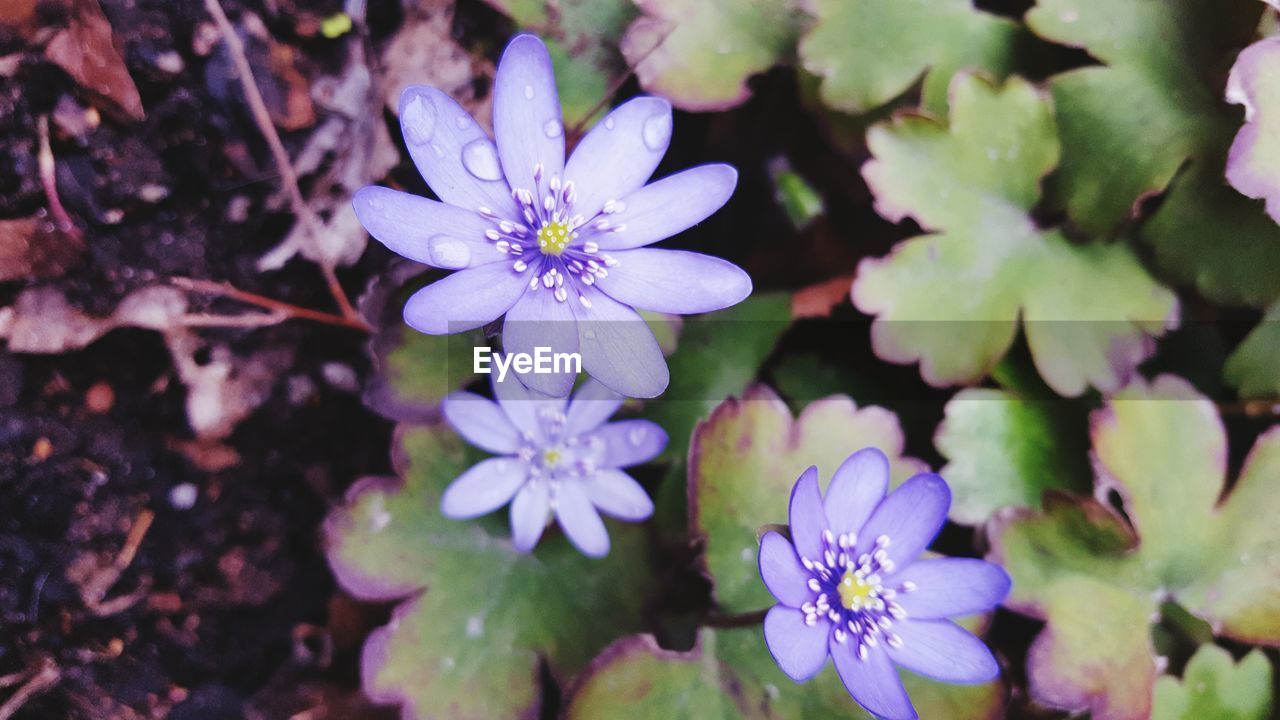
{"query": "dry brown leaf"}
(423, 52)
(818, 301)
(85, 50)
(33, 249)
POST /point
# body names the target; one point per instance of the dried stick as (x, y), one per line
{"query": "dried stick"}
(262, 118)
(45, 678)
(614, 87)
(278, 310)
(49, 179)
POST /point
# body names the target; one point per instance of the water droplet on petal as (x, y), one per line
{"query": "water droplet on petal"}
(480, 158)
(637, 435)
(418, 120)
(528, 92)
(589, 335)
(448, 253)
(553, 129)
(610, 123)
(439, 151)
(462, 122)
(656, 132)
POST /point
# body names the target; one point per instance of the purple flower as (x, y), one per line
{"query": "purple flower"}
(849, 586)
(558, 457)
(556, 246)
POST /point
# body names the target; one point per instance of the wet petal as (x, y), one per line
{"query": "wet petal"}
(529, 512)
(481, 422)
(526, 114)
(581, 522)
(799, 649)
(669, 206)
(630, 442)
(951, 587)
(591, 406)
(619, 349)
(538, 320)
(858, 485)
(439, 135)
(524, 406)
(806, 516)
(483, 488)
(425, 231)
(618, 494)
(782, 572)
(465, 300)
(910, 516)
(675, 281)
(620, 153)
(872, 681)
(944, 651)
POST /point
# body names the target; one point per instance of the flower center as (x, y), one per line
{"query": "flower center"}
(551, 457)
(854, 591)
(554, 237)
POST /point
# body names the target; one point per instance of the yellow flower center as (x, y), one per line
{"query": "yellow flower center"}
(854, 591)
(554, 237)
(552, 457)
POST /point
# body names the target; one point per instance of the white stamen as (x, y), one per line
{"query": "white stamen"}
(520, 266)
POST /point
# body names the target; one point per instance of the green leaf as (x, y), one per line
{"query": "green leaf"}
(582, 37)
(1005, 451)
(478, 617)
(414, 372)
(1214, 686)
(743, 462)
(869, 52)
(1255, 83)
(718, 355)
(699, 55)
(952, 300)
(1129, 124)
(1254, 368)
(731, 676)
(1098, 579)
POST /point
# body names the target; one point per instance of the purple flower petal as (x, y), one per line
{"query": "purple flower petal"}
(465, 300)
(630, 442)
(872, 681)
(670, 206)
(529, 512)
(910, 517)
(782, 572)
(423, 230)
(481, 422)
(616, 493)
(951, 587)
(440, 135)
(581, 522)
(524, 405)
(538, 320)
(806, 516)
(526, 115)
(619, 350)
(944, 651)
(799, 649)
(620, 153)
(675, 281)
(483, 488)
(591, 406)
(858, 485)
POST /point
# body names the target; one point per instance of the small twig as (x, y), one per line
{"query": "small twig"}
(45, 678)
(262, 118)
(275, 308)
(49, 179)
(1251, 408)
(614, 87)
(750, 619)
